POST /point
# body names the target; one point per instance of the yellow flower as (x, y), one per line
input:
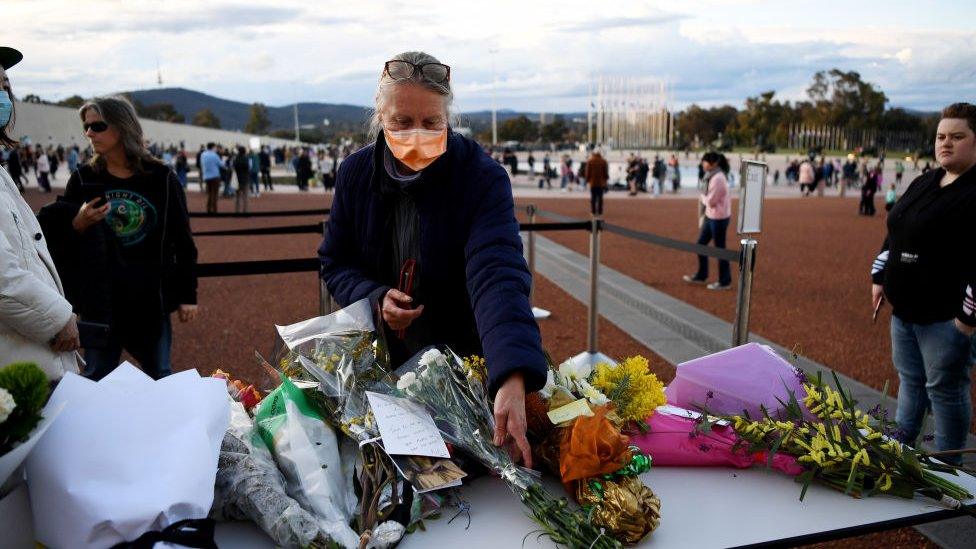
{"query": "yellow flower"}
(635, 391)
(474, 366)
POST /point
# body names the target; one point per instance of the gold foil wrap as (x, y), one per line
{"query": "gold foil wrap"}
(628, 509)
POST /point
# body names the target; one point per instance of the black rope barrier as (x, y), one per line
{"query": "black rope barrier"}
(270, 266)
(295, 229)
(284, 213)
(680, 245)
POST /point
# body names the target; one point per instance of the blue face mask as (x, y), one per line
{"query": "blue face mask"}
(6, 107)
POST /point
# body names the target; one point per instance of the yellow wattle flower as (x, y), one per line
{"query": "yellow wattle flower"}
(636, 391)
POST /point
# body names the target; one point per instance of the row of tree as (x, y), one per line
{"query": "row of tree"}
(835, 98)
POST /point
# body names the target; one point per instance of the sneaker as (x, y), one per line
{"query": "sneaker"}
(692, 280)
(717, 286)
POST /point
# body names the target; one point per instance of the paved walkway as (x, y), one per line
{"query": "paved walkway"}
(679, 332)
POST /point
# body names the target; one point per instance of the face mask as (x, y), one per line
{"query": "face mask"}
(6, 107)
(417, 148)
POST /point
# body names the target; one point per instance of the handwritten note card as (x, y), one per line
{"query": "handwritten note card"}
(406, 427)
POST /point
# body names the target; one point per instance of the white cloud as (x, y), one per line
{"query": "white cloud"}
(547, 53)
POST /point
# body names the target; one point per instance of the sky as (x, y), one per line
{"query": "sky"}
(524, 55)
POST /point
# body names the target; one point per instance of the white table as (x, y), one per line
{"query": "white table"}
(701, 507)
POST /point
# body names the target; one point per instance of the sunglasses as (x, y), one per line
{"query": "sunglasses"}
(437, 73)
(97, 127)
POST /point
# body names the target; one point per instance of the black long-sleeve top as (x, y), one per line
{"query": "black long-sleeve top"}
(928, 263)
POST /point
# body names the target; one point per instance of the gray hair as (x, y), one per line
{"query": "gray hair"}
(119, 113)
(387, 83)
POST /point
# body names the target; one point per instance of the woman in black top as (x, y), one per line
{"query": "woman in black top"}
(927, 271)
(137, 259)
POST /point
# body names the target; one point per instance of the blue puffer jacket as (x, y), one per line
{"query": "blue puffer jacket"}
(471, 264)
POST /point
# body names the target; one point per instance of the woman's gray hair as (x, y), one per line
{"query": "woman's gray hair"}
(387, 82)
(118, 113)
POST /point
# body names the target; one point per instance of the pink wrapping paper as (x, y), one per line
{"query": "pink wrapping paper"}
(740, 379)
(672, 441)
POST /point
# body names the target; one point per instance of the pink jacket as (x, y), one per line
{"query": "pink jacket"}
(718, 203)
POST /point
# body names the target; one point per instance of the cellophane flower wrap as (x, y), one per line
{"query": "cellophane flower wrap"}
(343, 354)
(455, 397)
(580, 417)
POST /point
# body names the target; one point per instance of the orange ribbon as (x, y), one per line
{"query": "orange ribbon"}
(593, 446)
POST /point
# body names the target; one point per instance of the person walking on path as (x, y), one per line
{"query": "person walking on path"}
(718, 210)
(927, 272)
(210, 168)
(597, 174)
(43, 170)
(265, 160)
(871, 185)
(242, 169)
(806, 177)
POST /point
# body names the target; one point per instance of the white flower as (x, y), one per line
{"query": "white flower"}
(406, 381)
(546, 392)
(570, 372)
(430, 357)
(7, 404)
(591, 393)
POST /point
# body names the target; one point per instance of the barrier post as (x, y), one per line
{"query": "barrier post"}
(531, 209)
(747, 264)
(325, 300)
(594, 283)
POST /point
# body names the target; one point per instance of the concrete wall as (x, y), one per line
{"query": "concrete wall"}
(50, 124)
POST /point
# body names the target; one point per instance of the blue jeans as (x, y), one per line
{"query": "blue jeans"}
(152, 353)
(714, 229)
(933, 363)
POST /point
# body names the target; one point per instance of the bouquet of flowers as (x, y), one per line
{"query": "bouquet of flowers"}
(845, 448)
(336, 358)
(23, 392)
(453, 392)
(580, 416)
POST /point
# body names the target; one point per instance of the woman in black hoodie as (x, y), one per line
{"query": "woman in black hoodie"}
(927, 271)
(135, 247)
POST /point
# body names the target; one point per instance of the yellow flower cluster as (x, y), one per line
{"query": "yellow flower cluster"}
(635, 391)
(474, 366)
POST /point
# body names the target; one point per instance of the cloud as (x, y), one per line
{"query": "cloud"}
(610, 23)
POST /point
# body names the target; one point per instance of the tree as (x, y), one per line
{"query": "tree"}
(31, 98)
(764, 121)
(164, 112)
(518, 129)
(207, 119)
(75, 102)
(843, 99)
(258, 121)
(555, 131)
(705, 124)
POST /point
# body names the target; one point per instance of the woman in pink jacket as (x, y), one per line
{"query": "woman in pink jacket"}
(718, 210)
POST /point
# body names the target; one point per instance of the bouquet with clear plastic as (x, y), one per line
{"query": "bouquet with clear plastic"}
(336, 358)
(454, 394)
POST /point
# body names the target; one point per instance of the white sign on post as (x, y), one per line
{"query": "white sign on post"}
(751, 197)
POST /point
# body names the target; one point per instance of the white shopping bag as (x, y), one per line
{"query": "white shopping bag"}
(128, 455)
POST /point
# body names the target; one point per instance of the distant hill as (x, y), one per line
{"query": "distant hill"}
(233, 115)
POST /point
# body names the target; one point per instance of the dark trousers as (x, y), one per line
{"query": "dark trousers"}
(714, 229)
(867, 203)
(266, 179)
(213, 188)
(151, 352)
(43, 182)
(596, 200)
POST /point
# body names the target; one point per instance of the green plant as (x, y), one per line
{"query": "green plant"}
(28, 385)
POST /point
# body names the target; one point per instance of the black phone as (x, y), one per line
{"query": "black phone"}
(94, 191)
(93, 335)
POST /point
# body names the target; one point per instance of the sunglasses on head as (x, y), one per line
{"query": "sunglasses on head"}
(437, 73)
(97, 127)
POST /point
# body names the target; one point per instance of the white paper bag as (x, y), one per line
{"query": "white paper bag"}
(128, 455)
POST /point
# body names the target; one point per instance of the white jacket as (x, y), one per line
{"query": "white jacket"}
(32, 304)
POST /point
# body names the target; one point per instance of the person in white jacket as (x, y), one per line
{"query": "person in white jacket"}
(36, 321)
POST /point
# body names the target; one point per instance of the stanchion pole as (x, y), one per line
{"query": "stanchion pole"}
(531, 209)
(591, 346)
(747, 265)
(325, 300)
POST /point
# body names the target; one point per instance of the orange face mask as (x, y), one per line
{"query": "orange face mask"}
(417, 148)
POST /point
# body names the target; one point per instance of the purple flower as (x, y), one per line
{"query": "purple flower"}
(709, 395)
(800, 376)
(704, 447)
